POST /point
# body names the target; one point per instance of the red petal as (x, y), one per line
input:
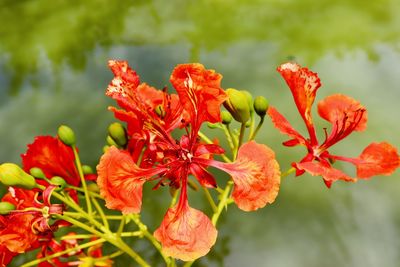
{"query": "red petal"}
(125, 80)
(187, 234)
(199, 91)
(203, 176)
(303, 84)
(121, 181)
(327, 172)
(16, 233)
(53, 157)
(335, 108)
(284, 126)
(378, 159)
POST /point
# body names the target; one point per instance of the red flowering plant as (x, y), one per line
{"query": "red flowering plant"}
(55, 205)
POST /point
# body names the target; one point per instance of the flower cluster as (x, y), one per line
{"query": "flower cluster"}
(162, 144)
(152, 153)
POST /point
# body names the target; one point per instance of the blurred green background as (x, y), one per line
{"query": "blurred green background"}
(53, 70)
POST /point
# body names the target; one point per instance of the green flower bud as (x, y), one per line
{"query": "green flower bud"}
(105, 148)
(111, 142)
(93, 187)
(87, 169)
(6, 207)
(12, 175)
(249, 98)
(66, 135)
(59, 181)
(261, 105)
(118, 133)
(212, 125)
(226, 117)
(37, 173)
(237, 105)
(248, 123)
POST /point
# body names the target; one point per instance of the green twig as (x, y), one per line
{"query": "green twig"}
(83, 181)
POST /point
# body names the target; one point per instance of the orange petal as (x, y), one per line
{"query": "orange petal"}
(329, 173)
(378, 159)
(121, 181)
(340, 108)
(199, 91)
(125, 80)
(186, 233)
(303, 84)
(284, 126)
(256, 176)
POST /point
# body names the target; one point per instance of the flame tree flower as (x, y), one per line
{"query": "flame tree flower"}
(151, 116)
(345, 114)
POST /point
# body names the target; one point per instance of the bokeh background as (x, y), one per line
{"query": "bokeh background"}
(53, 70)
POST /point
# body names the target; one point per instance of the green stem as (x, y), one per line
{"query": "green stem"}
(210, 199)
(252, 136)
(151, 238)
(110, 237)
(252, 124)
(289, 171)
(101, 213)
(223, 202)
(79, 215)
(87, 236)
(83, 181)
(121, 227)
(93, 194)
(241, 136)
(229, 137)
(58, 254)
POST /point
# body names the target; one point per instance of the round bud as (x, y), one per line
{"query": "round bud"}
(249, 98)
(93, 187)
(117, 133)
(12, 175)
(226, 117)
(37, 173)
(66, 135)
(110, 141)
(237, 105)
(212, 125)
(261, 105)
(59, 181)
(87, 169)
(6, 207)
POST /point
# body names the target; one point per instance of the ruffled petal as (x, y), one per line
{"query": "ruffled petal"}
(121, 181)
(303, 84)
(343, 110)
(255, 174)
(328, 173)
(284, 127)
(53, 157)
(199, 92)
(186, 233)
(125, 81)
(378, 159)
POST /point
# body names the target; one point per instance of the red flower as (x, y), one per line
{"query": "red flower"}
(185, 233)
(345, 114)
(27, 227)
(54, 158)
